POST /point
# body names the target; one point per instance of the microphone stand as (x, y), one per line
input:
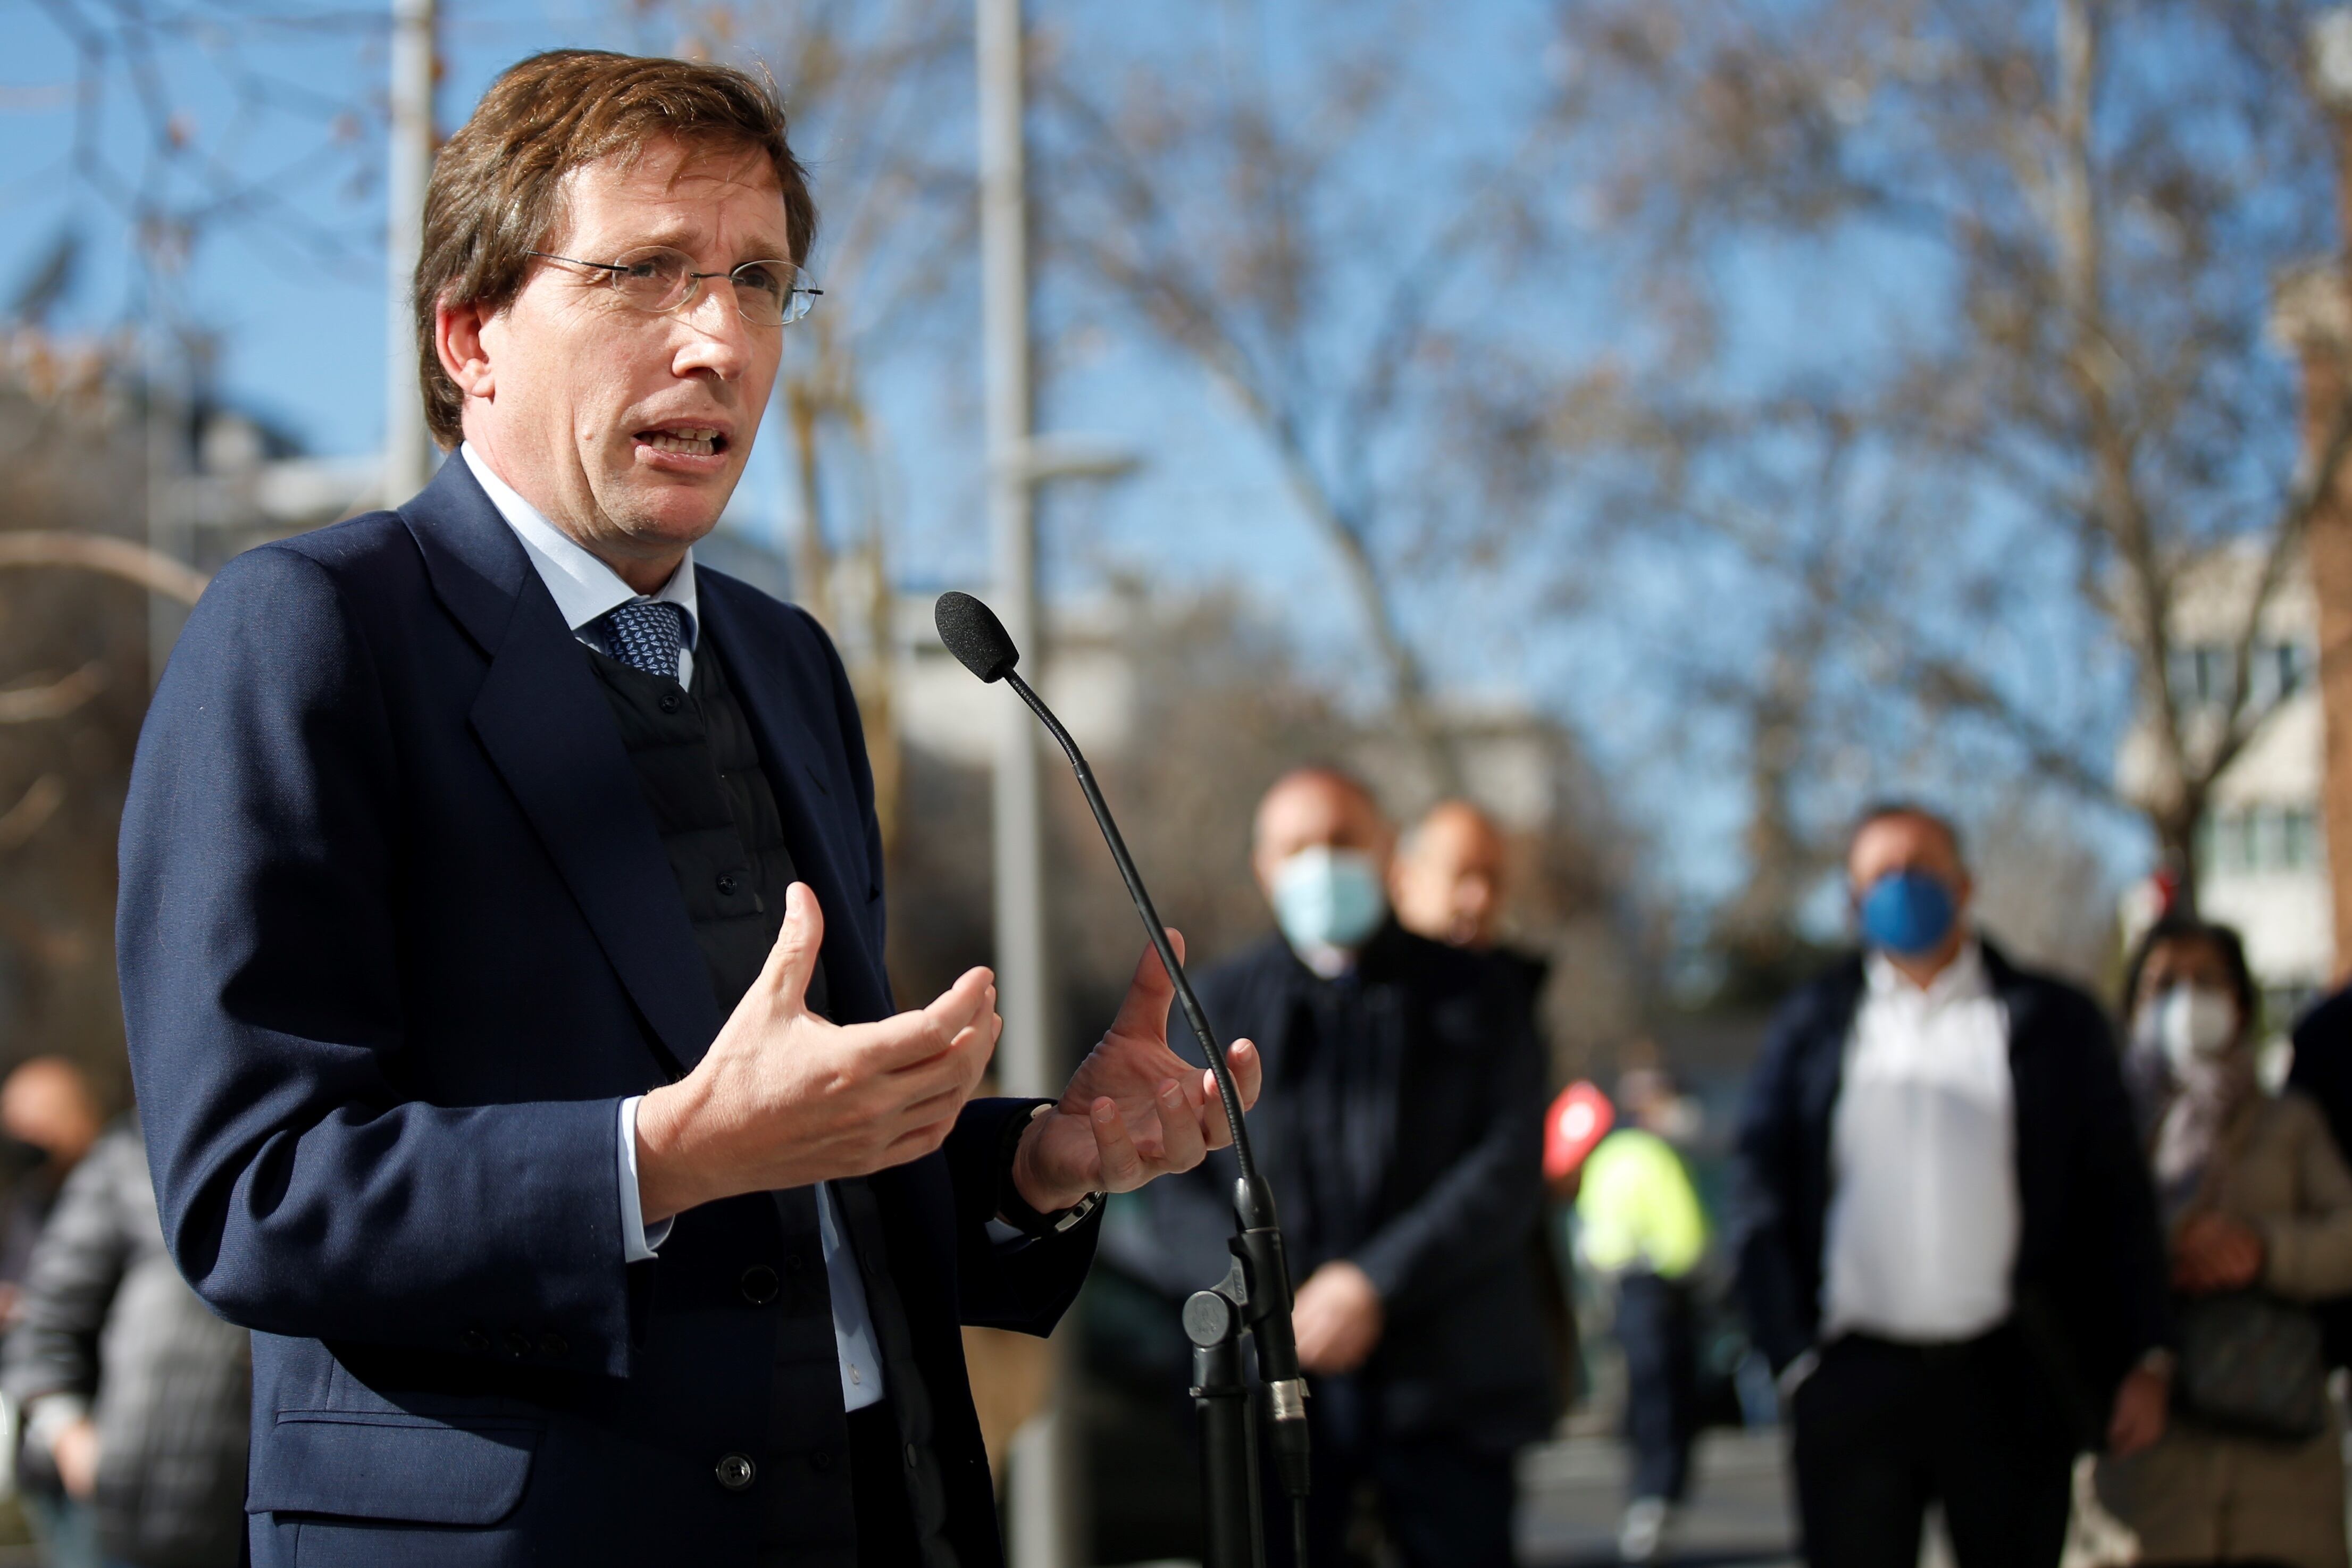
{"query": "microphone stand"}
(1252, 1302)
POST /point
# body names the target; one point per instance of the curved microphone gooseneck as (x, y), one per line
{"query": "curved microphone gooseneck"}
(971, 630)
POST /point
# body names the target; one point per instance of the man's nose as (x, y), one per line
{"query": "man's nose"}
(717, 341)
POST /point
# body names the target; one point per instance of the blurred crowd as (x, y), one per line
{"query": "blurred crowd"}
(2064, 1275)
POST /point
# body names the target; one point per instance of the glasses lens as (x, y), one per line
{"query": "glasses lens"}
(772, 293)
(654, 278)
(764, 291)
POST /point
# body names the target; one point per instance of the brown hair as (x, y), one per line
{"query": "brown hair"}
(496, 193)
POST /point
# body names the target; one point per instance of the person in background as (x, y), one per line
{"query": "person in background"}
(136, 1397)
(1946, 1245)
(1450, 880)
(2255, 1197)
(47, 1109)
(1640, 1224)
(1401, 1129)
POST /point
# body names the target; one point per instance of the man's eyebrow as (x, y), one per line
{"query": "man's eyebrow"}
(681, 236)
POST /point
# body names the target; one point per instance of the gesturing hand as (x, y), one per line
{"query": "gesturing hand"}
(1134, 1110)
(784, 1098)
(2214, 1252)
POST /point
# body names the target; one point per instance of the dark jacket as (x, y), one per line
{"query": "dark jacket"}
(2323, 1070)
(398, 936)
(1457, 1119)
(106, 1318)
(2090, 1272)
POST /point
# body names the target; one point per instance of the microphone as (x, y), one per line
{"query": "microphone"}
(971, 630)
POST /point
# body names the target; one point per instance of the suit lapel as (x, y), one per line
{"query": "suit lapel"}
(550, 733)
(774, 682)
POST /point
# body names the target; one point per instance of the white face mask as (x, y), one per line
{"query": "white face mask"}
(1326, 897)
(2190, 1023)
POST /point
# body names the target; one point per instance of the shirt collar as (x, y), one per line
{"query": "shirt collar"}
(1964, 978)
(583, 588)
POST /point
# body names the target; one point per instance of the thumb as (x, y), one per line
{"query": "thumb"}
(1145, 1011)
(793, 960)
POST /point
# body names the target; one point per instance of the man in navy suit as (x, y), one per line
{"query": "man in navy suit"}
(502, 942)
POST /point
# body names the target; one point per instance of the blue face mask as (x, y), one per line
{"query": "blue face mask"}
(1908, 912)
(1325, 897)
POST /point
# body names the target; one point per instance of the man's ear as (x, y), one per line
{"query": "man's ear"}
(457, 339)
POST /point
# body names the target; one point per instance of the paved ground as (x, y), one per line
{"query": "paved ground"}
(1738, 1512)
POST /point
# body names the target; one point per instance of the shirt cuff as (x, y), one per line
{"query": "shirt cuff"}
(638, 1243)
(50, 1414)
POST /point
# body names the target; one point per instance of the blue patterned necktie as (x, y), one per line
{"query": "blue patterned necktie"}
(646, 634)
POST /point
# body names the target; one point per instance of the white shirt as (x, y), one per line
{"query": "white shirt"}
(585, 590)
(1923, 1215)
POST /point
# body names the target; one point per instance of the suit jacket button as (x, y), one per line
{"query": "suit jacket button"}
(822, 1460)
(760, 1285)
(475, 1341)
(728, 884)
(672, 701)
(736, 1471)
(518, 1342)
(552, 1344)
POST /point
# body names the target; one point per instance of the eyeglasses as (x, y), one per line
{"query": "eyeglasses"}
(658, 280)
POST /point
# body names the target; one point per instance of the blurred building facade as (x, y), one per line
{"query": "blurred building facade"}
(2261, 854)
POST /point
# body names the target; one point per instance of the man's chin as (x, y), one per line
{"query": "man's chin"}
(672, 514)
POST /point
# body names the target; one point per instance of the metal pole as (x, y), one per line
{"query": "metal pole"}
(1044, 1496)
(408, 453)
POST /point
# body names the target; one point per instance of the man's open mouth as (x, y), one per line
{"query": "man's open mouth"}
(695, 441)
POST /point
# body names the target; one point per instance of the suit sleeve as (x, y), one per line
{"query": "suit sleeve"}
(1484, 1207)
(303, 1189)
(1763, 1248)
(2308, 1253)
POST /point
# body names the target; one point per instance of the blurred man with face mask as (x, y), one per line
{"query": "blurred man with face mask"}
(1400, 1128)
(1947, 1242)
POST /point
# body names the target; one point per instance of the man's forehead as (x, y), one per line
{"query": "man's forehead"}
(670, 182)
(1903, 833)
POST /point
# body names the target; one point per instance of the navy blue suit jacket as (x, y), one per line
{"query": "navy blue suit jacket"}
(2090, 1272)
(397, 934)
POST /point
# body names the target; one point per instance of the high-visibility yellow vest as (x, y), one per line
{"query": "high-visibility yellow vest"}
(1636, 1206)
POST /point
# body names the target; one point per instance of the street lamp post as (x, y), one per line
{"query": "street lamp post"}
(407, 457)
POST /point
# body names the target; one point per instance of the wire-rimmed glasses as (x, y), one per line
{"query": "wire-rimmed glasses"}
(660, 280)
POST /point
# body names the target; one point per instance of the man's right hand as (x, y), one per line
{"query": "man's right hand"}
(784, 1098)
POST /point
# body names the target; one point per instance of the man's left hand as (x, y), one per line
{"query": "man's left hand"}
(1134, 1110)
(1338, 1317)
(2138, 1419)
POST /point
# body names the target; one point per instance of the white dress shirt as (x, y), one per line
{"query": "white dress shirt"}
(585, 590)
(1923, 1215)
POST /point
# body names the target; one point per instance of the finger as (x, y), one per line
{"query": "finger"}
(793, 960)
(917, 1142)
(1122, 1167)
(1248, 1068)
(1182, 1144)
(964, 1001)
(906, 1041)
(1149, 994)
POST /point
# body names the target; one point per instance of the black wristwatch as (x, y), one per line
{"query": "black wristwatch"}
(1014, 1209)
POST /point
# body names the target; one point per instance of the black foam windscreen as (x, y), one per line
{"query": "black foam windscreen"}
(975, 636)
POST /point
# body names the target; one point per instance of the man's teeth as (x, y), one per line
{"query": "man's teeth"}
(700, 443)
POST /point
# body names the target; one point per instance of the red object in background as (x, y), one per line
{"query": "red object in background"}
(1578, 1120)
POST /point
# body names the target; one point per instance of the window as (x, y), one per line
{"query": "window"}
(2244, 840)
